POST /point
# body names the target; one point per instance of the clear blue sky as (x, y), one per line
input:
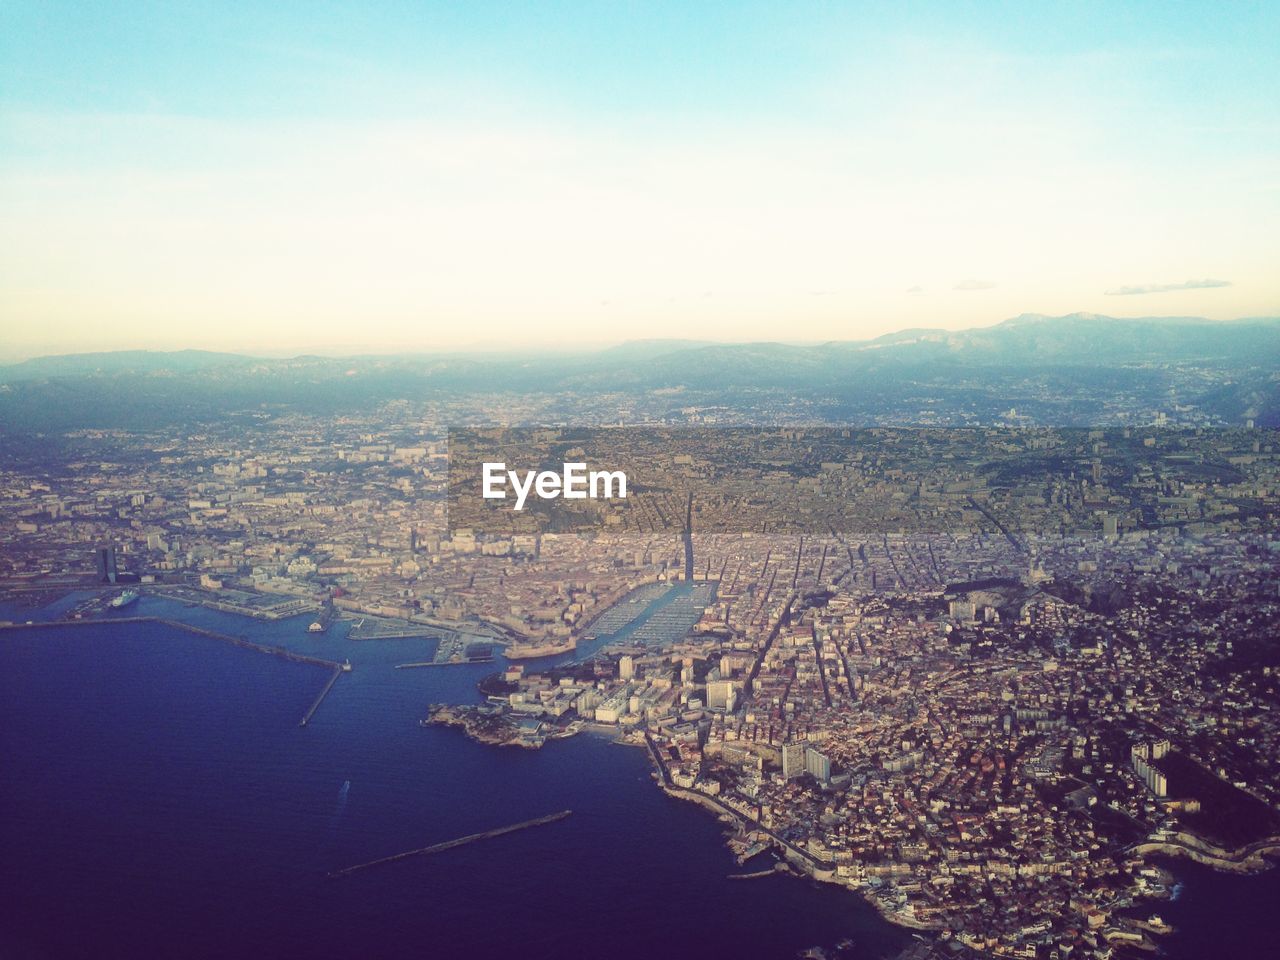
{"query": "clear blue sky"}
(328, 175)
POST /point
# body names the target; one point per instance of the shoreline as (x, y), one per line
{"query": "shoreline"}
(1249, 860)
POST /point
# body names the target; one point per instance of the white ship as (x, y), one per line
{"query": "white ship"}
(126, 598)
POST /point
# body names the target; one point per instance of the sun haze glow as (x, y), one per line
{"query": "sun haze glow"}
(277, 177)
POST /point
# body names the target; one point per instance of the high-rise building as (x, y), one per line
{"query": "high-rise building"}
(721, 695)
(1141, 755)
(626, 667)
(817, 765)
(687, 537)
(106, 559)
(793, 759)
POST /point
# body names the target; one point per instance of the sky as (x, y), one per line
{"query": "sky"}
(330, 177)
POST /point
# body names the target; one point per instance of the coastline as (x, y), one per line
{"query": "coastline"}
(401, 795)
(798, 863)
(1247, 860)
(1251, 858)
(1128, 932)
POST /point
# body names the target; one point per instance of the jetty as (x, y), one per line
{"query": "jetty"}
(450, 844)
(757, 874)
(443, 663)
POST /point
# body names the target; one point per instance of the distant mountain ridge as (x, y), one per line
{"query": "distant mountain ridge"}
(1027, 339)
(1062, 370)
(119, 361)
(1094, 339)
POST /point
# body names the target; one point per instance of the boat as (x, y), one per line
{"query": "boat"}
(126, 598)
(316, 627)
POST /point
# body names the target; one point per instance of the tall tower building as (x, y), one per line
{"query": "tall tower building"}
(793, 759)
(817, 765)
(106, 560)
(687, 536)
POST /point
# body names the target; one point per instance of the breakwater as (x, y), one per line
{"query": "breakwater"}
(283, 653)
(450, 844)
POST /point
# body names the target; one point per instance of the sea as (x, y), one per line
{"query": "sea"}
(158, 799)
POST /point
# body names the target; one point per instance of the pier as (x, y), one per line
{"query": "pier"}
(450, 844)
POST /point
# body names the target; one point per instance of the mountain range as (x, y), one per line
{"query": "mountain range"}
(1082, 356)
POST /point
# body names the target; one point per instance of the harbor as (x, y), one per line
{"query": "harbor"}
(305, 823)
(672, 622)
(338, 669)
(620, 614)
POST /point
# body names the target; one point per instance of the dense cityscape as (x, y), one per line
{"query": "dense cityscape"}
(993, 690)
(722, 480)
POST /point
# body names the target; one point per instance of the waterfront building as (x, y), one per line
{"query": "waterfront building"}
(106, 561)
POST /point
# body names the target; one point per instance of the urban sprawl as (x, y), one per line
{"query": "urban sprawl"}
(997, 725)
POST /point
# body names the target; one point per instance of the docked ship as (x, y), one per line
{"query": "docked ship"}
(126, 598)
(316, 627)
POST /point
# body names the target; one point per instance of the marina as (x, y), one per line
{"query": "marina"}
(628, 609)
(672, 623)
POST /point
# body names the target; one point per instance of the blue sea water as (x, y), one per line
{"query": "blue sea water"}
(158, 799)
(1220, 915)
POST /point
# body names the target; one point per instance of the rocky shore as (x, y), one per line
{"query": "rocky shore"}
(494, 729)
(498, 729)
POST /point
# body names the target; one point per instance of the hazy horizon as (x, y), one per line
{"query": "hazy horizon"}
(421, 177)
(557, 348)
